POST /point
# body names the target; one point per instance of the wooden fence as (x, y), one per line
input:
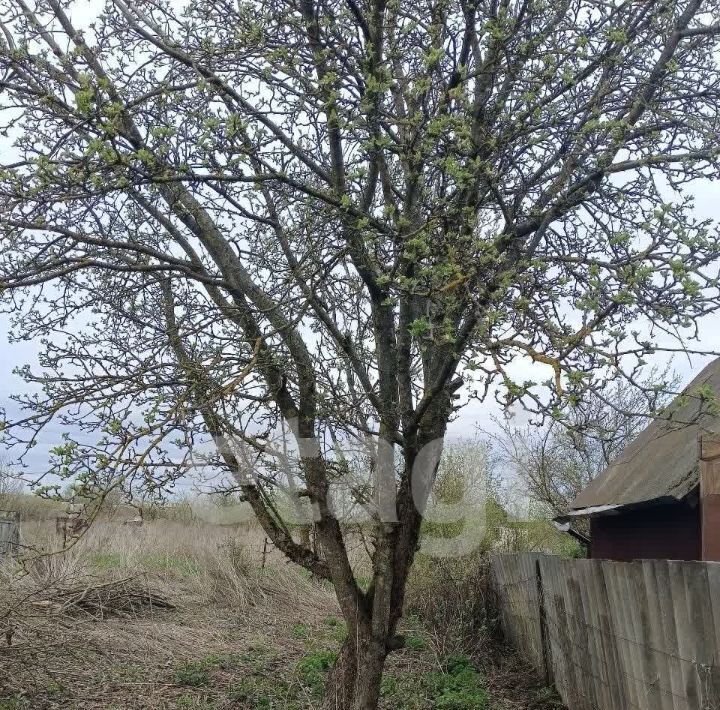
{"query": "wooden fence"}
(616, 635)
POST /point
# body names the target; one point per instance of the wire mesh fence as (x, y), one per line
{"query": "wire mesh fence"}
(616, 635)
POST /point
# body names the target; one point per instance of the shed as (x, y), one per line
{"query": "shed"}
(661, 498)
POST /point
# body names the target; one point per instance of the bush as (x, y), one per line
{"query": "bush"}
(450, 596)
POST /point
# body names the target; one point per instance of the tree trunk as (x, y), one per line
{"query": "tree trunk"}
(354, 682)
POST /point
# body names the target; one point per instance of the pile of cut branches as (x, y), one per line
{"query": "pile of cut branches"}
(100, 599)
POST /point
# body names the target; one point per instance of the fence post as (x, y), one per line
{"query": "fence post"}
(264, 552)
(710, 497)
(544, 642)
(9, 534)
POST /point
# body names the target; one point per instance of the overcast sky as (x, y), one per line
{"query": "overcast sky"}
(13, 355)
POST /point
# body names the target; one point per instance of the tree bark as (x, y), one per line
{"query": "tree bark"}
(354, 682)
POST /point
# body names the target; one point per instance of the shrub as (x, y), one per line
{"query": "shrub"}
(450, 596)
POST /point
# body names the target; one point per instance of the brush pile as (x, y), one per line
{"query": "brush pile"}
(101, 599)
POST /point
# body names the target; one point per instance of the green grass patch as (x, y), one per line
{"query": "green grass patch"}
(263, 692)
(300, 631)
(261, 686)
(312, 667)
(196, 674)
(54, 688)
(259, 658)
(192, 674)
(106, 560)
(132, 671)
(415, 643)
(177, 564)
(337, 628)
(457, 687)
(14, 704)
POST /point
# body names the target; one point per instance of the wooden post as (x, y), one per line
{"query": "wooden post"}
(544, 640)
(265, 551)
(709, 464)
(9, 534)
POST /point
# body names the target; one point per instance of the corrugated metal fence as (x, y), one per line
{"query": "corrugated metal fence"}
(616, 635)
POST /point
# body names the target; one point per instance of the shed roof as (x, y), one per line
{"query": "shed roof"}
(662, 462)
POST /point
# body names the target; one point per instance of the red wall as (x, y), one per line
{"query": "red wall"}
(669, 531)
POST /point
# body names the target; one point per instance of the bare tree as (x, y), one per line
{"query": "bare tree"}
(557, 461)
(337, 213)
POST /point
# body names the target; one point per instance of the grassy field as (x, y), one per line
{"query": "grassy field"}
(186, 615)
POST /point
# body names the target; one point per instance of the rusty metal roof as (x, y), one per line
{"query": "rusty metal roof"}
(662, 462)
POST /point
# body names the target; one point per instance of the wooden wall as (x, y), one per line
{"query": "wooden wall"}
(616, 635)
(670, 531)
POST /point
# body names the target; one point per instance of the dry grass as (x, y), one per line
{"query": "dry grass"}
(226, 603)
(172, 616)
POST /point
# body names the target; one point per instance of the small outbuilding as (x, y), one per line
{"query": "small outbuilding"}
(661, 498)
